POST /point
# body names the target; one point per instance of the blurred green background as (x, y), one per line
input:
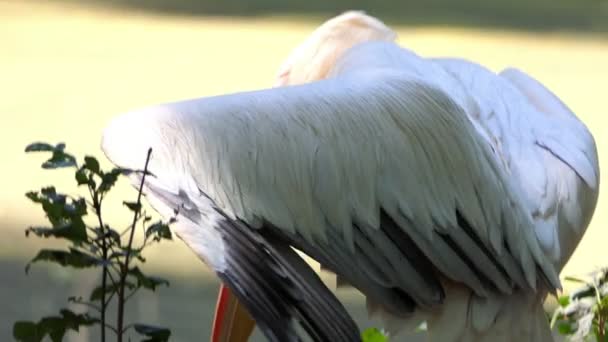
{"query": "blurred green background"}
(67, 67)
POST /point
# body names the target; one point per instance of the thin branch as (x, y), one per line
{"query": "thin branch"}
(126, 328)
(110, 298)
(128, 228)
(131, 294)
(104, 249)
(110, 274)
(125, 266)
(98, 243)
(114, 330)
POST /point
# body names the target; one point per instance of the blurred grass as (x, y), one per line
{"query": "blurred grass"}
(540, 15)
(66, 69)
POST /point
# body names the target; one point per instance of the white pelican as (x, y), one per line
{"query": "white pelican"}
(441, 190)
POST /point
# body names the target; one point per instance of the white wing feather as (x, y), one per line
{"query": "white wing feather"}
(541, 141)
(330, 154)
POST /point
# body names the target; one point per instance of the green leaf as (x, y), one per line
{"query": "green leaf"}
(160, 230)
(97, 292)
(59, 159)
(27, 332)
(148, 282)
(154, 334)
(373, 335)
(91, 164)
(76, 207)
(109, 179)
(73, 231)
(81, 176)
(39, 147)
(50, 192)
(73, 320)
(133, 206)
(54, 326)
(49, 196)
(563, 301)
(112, 234)
(64, 215)
(565, 328)
(73, 258)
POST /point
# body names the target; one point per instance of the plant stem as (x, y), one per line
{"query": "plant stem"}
(600, 328)
(125, 266)
(104, 274)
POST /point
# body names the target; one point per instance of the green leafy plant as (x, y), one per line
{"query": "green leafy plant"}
(93, 244)
(373, 335)
(584, 314)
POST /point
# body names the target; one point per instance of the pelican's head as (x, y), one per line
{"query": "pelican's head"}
(314, 58)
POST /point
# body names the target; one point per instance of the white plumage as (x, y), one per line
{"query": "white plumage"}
(489, 178)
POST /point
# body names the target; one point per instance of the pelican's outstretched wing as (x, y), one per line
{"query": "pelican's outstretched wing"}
(377, 174)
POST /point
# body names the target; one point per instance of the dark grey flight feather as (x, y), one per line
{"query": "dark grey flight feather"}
(347, 265)
(278, 288)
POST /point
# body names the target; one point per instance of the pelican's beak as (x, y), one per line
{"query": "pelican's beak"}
(232, 322)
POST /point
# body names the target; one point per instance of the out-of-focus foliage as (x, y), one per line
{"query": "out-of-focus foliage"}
(583, 316)
(373, 335)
